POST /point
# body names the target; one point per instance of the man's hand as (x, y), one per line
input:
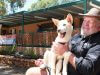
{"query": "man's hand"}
(59, 48)
(38, 62)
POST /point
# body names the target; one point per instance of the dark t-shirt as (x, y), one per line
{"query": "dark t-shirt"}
(87, 52)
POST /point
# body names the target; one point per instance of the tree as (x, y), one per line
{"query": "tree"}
(2, 8)
(41, 4)
(15, 4)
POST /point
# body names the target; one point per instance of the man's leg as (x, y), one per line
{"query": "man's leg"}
(36, 71)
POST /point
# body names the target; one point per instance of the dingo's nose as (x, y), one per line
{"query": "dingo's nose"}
(58, 30)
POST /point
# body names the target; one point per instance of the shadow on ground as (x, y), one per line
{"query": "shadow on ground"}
(7, 70)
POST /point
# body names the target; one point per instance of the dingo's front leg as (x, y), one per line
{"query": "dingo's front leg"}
(45, 60)
(65, 62)
(53, 63)
(59, 67)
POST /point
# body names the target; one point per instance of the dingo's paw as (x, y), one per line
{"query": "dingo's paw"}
(64, 73)
(43, 66)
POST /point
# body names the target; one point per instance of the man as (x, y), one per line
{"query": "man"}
(84, 50)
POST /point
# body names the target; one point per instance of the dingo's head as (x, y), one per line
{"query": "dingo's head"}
(64, 27)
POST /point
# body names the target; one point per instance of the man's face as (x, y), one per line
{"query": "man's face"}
(89, 26)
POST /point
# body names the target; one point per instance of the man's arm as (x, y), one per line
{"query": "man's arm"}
(72, 60)
(86, 65)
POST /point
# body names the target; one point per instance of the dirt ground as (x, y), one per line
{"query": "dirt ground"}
(8, 70)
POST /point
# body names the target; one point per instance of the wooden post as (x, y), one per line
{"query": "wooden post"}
(0, 28)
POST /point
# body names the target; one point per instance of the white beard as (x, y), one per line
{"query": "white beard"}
(85, 34)
(82, 32)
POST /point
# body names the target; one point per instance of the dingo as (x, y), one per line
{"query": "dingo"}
(53, 60)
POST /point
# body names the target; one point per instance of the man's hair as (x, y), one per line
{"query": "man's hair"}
(98, 19)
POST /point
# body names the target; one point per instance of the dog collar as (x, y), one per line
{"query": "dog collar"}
(63, 43)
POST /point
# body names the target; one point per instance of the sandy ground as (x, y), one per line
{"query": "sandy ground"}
(8, 70)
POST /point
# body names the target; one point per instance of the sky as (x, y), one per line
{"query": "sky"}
(25, 8)
(98, 0)
(28, 4)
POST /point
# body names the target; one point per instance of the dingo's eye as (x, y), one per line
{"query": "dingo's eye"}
(64, 24)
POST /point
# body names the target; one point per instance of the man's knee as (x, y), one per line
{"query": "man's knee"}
(35, 71)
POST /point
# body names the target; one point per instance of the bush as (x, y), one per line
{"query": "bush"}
(29, 53)
(7, 50)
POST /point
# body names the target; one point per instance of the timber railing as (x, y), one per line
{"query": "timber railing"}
(36, 39)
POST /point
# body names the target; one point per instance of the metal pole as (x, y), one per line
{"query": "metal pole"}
(22, 31)
(23, 23)
(85, 6)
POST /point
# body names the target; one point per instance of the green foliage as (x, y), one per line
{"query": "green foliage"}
(26, 53)
(8, 50)
(41, 4)
(2, 8)
(29, 53)
(15, 4)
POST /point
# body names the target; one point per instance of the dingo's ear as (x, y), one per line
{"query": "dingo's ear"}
(69, 18)
(55, 21)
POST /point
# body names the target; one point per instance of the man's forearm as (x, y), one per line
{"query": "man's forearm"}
(72, 60)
